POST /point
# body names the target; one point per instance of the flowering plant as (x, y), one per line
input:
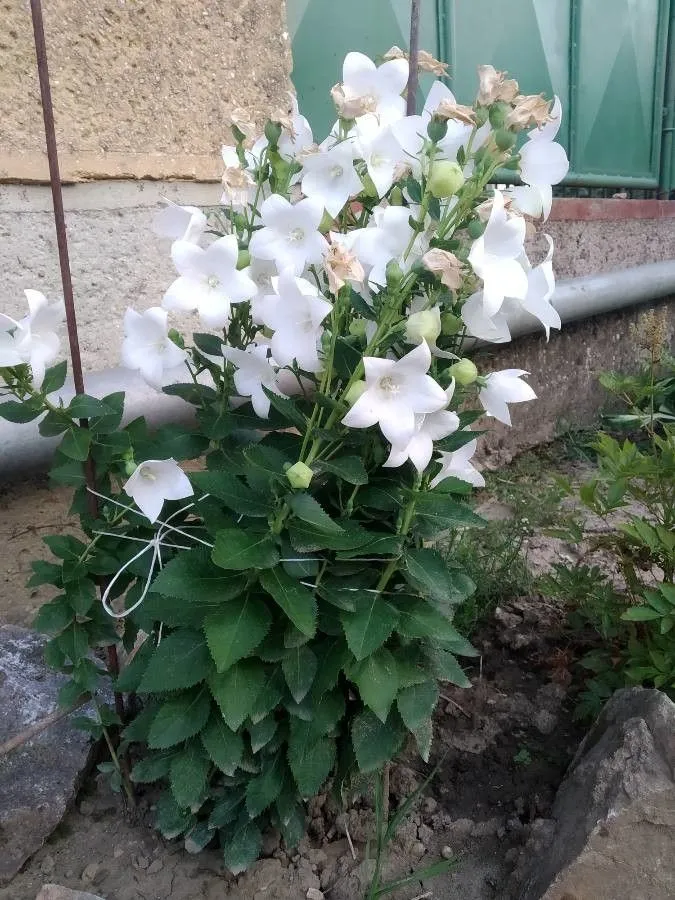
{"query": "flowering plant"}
(284, 616)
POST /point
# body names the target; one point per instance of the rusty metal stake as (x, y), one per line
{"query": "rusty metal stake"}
(413, 55)
(64, 262)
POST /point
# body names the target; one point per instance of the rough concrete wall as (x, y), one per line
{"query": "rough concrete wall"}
(141, 88)
(564, 375)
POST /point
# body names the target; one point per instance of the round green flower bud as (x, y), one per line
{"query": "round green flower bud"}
(394, 274)
(464, 372)
(475, 228)
(450, 324)
(354, 392)
(481, 115)
(396, 196)
(498, 113)
(130, 467)
(299, 475)
(446, 178)
(273, 133)
(504, 139)
(423, 326)
(437, 129)
(244, 259)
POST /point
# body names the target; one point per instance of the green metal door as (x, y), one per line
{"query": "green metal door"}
(606, 59)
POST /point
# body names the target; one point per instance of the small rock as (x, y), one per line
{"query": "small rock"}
(318, 858)
(156, 866)
(544, 721)
(314, 894)
(57, 892)
(90, 872)
(118, 851)
(87, 807)
(461, 827)
(486, 828)
(430, 805)
(140, 862)
(447, 853)
(509, 620)
(47, 865)
(418, 848)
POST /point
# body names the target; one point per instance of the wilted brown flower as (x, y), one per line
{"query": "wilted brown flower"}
(395, 53)
(351, 107)
(494, 85)
(236, 185)
(425, 61)
(341, 266)
(240, 118)
(445, 264)
(529, 111)
(457, 111)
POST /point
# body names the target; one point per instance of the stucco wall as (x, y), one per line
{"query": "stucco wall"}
(141, 88)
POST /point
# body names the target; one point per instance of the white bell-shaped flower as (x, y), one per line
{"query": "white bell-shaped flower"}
(255, 370)
(543, 162)
(330, 178)
(502, 388)
(290, 235)
(147, 346)
(456, 464)
(33, 339)
(155, 481)
(180, 223)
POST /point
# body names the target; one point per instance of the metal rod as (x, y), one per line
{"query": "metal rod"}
(64, 262)
(413, 56)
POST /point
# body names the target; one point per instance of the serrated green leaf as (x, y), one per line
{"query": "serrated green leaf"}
(375, 742)
(19, 413)
(427, 571)
(291, 823)
(380, 545)
(338, 595)
(334, 655)
(54, 616)
(384, 497)
(81, 595)
(440, 512)
(377, 681)
(237, 629)
(74, 642)
(299, 669)
(232, 492)
(261, 733)
(240, 550)
(228, 808)
(242, 846)
(55, 377)
(179, 718)
(224, 746)
(297, 602)
(171, 819)
(45, 573)
(262, 791)
(640, 614)
(416, 703)
(76, 443)
(418, 619)
(348, 468)
(305, 507)
(268, 697)
(311, 762)
(424, 735)
(307, 538)
(192, 577)
(287, 408)
(445, 666)
(236, 690)
(152, 767)
(130, 677)
(369, 626)
(188, 774)
(82, 406)
(181, 660)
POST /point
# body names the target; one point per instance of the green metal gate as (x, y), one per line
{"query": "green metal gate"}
(608, 61)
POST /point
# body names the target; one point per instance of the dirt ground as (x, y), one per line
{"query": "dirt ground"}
(501, 749)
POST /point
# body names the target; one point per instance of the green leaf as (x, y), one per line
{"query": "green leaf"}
(377, 681)
(311, 762)
(299, 669)
(52, 425)
(19, 413)
(53, 616)
(307, 538)
(81, 595)
(232, 491)
(76, 443)
(445, 666)
(417, 619)
(69, 473)
(180, 661)
(262, 791)
(74, 642)
(438, 511)
(305, 507)
(288, 409)
(110, 421)
(179, 718)
(379, 545)
(640, 614)
(171, 819)
(348, 468)
(424, 735)
(188, 774)
(243, 846)
(215, 422)
(224, 746)
(416, 703)
(237, 629)
(228, 808)
(152, 767)
(268, 697)
(45, 573)
(375, 742)
(236, 690)
(334, 656)
(370, 625)
(55, 377)
(130, 677)
(337, 594)
(239, 550)
(381, 496)
(296, 601)
(261, 733)
(347, 357)
(427, 571)
(82, 406)
(192, 577)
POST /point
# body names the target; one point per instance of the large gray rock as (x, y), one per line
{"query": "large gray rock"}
(614, 837)
(39, 779)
